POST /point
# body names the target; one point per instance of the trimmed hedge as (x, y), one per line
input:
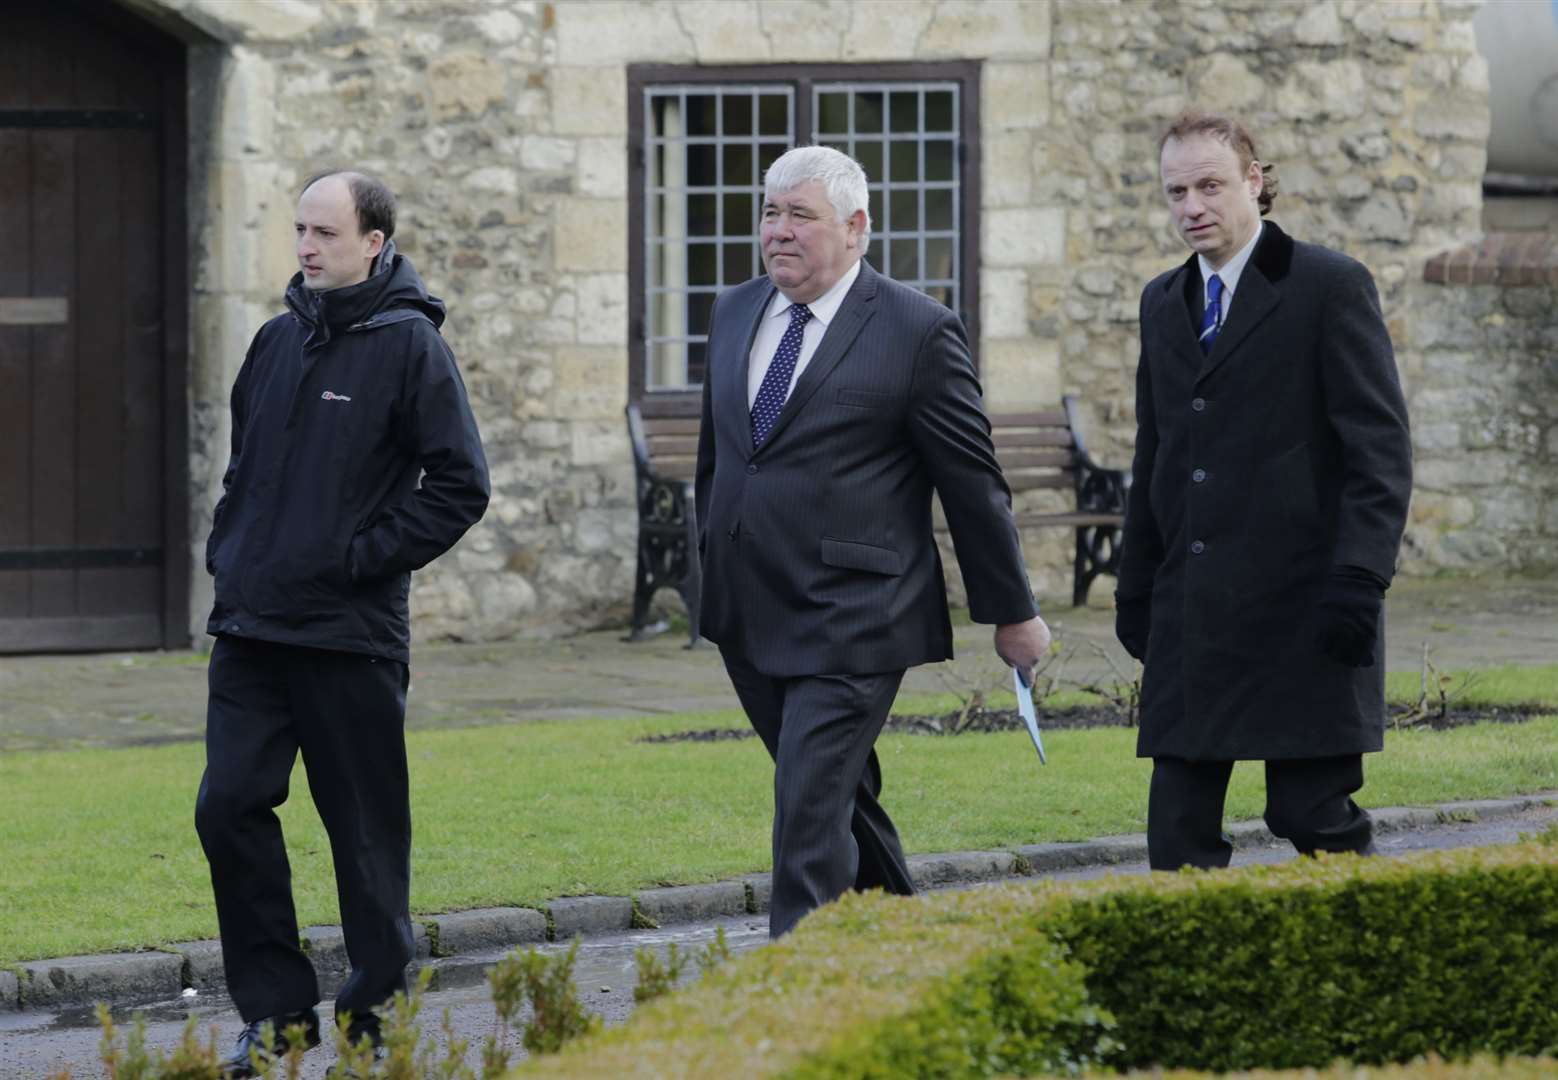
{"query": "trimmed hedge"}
(1433, 1068)
(1367, 960)
(1385, 961)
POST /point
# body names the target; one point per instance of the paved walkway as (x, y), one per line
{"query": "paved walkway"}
(49, 702)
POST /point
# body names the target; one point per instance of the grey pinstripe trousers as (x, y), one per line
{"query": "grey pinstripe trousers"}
(830, 832)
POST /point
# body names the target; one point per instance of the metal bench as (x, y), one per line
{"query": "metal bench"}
(665, 455)
(1036, 449)
(1045, 450)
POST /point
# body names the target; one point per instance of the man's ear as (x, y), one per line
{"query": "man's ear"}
(1256, 178)
(375, 243)
(857, 227)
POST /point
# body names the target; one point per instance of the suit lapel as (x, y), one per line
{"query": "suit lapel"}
(1257, 295)
(853, 314)
(740, 372)
(1255, 300)
(1178, 314)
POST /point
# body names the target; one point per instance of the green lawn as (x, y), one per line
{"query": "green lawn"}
(100, 850)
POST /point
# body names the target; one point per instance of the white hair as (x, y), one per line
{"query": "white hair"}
(840, 175)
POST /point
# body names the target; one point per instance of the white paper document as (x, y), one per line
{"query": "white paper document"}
(1029, 716)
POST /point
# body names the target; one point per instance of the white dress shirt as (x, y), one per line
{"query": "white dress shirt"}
(777, 319)
(1229, 274)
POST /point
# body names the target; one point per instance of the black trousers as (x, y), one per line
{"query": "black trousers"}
(346, 713)
(830, 832)
(1308, 802)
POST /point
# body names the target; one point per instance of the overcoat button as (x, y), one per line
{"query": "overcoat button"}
(1199, 404)
(1198, 476)
(751, 470)
(1197, 547)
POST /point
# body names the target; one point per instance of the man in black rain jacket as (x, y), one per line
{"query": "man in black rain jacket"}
(355, 460)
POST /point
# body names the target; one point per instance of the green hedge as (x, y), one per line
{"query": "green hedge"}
(1432, 1068)
(1300, 964)
(1387, 961)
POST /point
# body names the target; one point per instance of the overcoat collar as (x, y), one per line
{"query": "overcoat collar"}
(1258, 297)
(856, 310)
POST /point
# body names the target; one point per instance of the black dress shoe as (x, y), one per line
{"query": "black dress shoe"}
(241, 1064)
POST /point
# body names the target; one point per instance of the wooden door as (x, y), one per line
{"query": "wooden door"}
(91, 350)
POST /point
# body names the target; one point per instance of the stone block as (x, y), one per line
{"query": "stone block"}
(1004, 308)
(1019, 373)
(10, 991)
(693, 903)
(202, 964)
(805, 29)
(960, 867)
(1024, 237)
(871, 37)
(465, 84)
(725, 33)
(1250, 834)
(590, 235)
(259, 20)
(975, 28)
(603, 309)
(123, 978)
(599, 442)
(1227, 79)
(590, 383)
(1014, 95)
(1008, 178)
(589, 100)
(617, 33)
(577, 915)
(602, 168)
(1453, 118)
(547, 153)
(487, 929)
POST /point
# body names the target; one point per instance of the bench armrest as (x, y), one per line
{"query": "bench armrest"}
(1099, 489)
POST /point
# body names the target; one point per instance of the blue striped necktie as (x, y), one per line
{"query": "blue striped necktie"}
(776, 380)
(1211, 322)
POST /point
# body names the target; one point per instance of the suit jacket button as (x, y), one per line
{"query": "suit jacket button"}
(1198, 404)
(751, 470)
(1197, 547)
(1198, 476)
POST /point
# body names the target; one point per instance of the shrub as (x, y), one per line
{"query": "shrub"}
(1369, 960)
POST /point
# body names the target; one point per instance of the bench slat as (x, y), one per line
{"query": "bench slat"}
(1043, 418)
(1075, 520)
(1029, 481)
(671, 425)
(1036, 459)
(1036, 437)
(672, 446)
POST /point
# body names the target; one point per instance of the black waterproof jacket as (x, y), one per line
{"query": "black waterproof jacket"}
(341, 405)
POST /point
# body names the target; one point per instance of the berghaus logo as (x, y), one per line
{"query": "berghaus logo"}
(331, 395)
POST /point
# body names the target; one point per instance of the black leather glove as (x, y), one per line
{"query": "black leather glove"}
(1132, 621)
(1349, 616)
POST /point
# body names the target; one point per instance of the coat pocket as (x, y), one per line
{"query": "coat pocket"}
(850, 555)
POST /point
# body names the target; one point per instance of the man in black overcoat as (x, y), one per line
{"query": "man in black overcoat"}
(1271, 480)
(836, 402)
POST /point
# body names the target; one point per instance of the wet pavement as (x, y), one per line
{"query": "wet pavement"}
(34, 1045)
(56, 702)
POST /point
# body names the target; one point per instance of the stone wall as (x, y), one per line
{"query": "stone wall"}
(502, 124)
(1486, 408)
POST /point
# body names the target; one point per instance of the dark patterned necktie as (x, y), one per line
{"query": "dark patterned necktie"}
(776, 380)
(1212, 320)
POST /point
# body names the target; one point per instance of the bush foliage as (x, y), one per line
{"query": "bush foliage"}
(1365, 960)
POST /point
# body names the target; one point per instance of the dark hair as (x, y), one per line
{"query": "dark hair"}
(1230, 132)
(375, 203)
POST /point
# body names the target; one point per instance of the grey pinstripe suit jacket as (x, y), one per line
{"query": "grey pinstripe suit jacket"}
(817, 548)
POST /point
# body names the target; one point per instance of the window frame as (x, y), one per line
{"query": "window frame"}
(801, 78)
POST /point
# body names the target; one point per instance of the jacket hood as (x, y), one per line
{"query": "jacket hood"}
(393, 285)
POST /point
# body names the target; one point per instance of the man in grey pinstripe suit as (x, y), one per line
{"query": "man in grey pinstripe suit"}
(835, 402)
